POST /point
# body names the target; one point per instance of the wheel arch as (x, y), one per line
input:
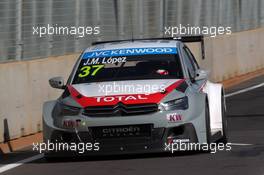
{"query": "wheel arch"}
(214, 93)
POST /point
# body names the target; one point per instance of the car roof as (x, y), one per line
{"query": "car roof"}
(133, 44)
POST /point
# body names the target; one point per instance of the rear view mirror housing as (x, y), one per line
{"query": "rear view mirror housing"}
(57, 82)
(201, 74)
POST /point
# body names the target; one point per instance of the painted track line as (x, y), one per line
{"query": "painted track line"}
(245, 90)
(241, 144)
(19, 163)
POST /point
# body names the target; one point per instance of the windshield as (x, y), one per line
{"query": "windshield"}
(128, 67)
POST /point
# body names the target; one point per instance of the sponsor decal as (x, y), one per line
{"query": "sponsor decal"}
(174, 117)
(122, 131)
(180, 140)
(90, 70)
(69, 123)
(105, 60)
(126, 99)
(130, 51)
(142, 130)
(171, 140)
(121, 98)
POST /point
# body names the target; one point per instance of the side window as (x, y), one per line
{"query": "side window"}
(189, 64)
(191, 57)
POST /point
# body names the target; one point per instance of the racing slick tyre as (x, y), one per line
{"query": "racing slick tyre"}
(207, 123)
(224, 138)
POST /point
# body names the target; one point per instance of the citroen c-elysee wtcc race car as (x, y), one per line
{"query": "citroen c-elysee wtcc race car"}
(105, 100)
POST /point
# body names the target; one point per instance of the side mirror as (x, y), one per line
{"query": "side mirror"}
(201, 74)
(57, 82)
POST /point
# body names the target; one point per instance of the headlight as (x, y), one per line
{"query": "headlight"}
(63, 110)
(177, 104)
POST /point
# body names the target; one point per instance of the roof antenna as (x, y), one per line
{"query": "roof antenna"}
(131, 23)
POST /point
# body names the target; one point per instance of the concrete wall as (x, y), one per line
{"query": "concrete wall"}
(24, 84)
(230, 55)
(24, 88)
(236, 54)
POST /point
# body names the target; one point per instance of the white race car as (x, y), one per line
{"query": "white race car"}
(135, 96)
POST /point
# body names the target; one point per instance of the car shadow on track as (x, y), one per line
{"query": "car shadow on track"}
(118, 157)
(8, 158)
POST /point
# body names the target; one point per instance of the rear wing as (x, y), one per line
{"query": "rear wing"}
(185, 39)
(193, 39)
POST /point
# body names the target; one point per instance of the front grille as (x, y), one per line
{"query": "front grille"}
(120, 110)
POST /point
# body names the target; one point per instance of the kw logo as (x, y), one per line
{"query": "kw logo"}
(174, 117)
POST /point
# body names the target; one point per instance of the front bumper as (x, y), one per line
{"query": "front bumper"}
(156, 142)
(192, 129)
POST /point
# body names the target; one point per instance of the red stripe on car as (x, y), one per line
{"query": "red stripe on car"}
(125, 98)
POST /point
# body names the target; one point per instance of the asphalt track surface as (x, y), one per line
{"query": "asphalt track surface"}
(246, 132)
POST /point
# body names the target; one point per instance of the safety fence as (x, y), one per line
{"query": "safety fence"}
(116, 19)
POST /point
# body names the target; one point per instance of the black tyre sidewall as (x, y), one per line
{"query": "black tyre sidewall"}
(207, 122)
(224, 138)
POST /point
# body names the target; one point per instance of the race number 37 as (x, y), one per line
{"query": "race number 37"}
(90, 70)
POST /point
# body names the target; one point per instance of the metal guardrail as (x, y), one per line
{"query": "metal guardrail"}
(117, 19)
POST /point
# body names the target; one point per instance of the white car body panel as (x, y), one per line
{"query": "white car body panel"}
(214, 93)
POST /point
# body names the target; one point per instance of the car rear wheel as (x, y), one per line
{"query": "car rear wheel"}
(207, 122)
